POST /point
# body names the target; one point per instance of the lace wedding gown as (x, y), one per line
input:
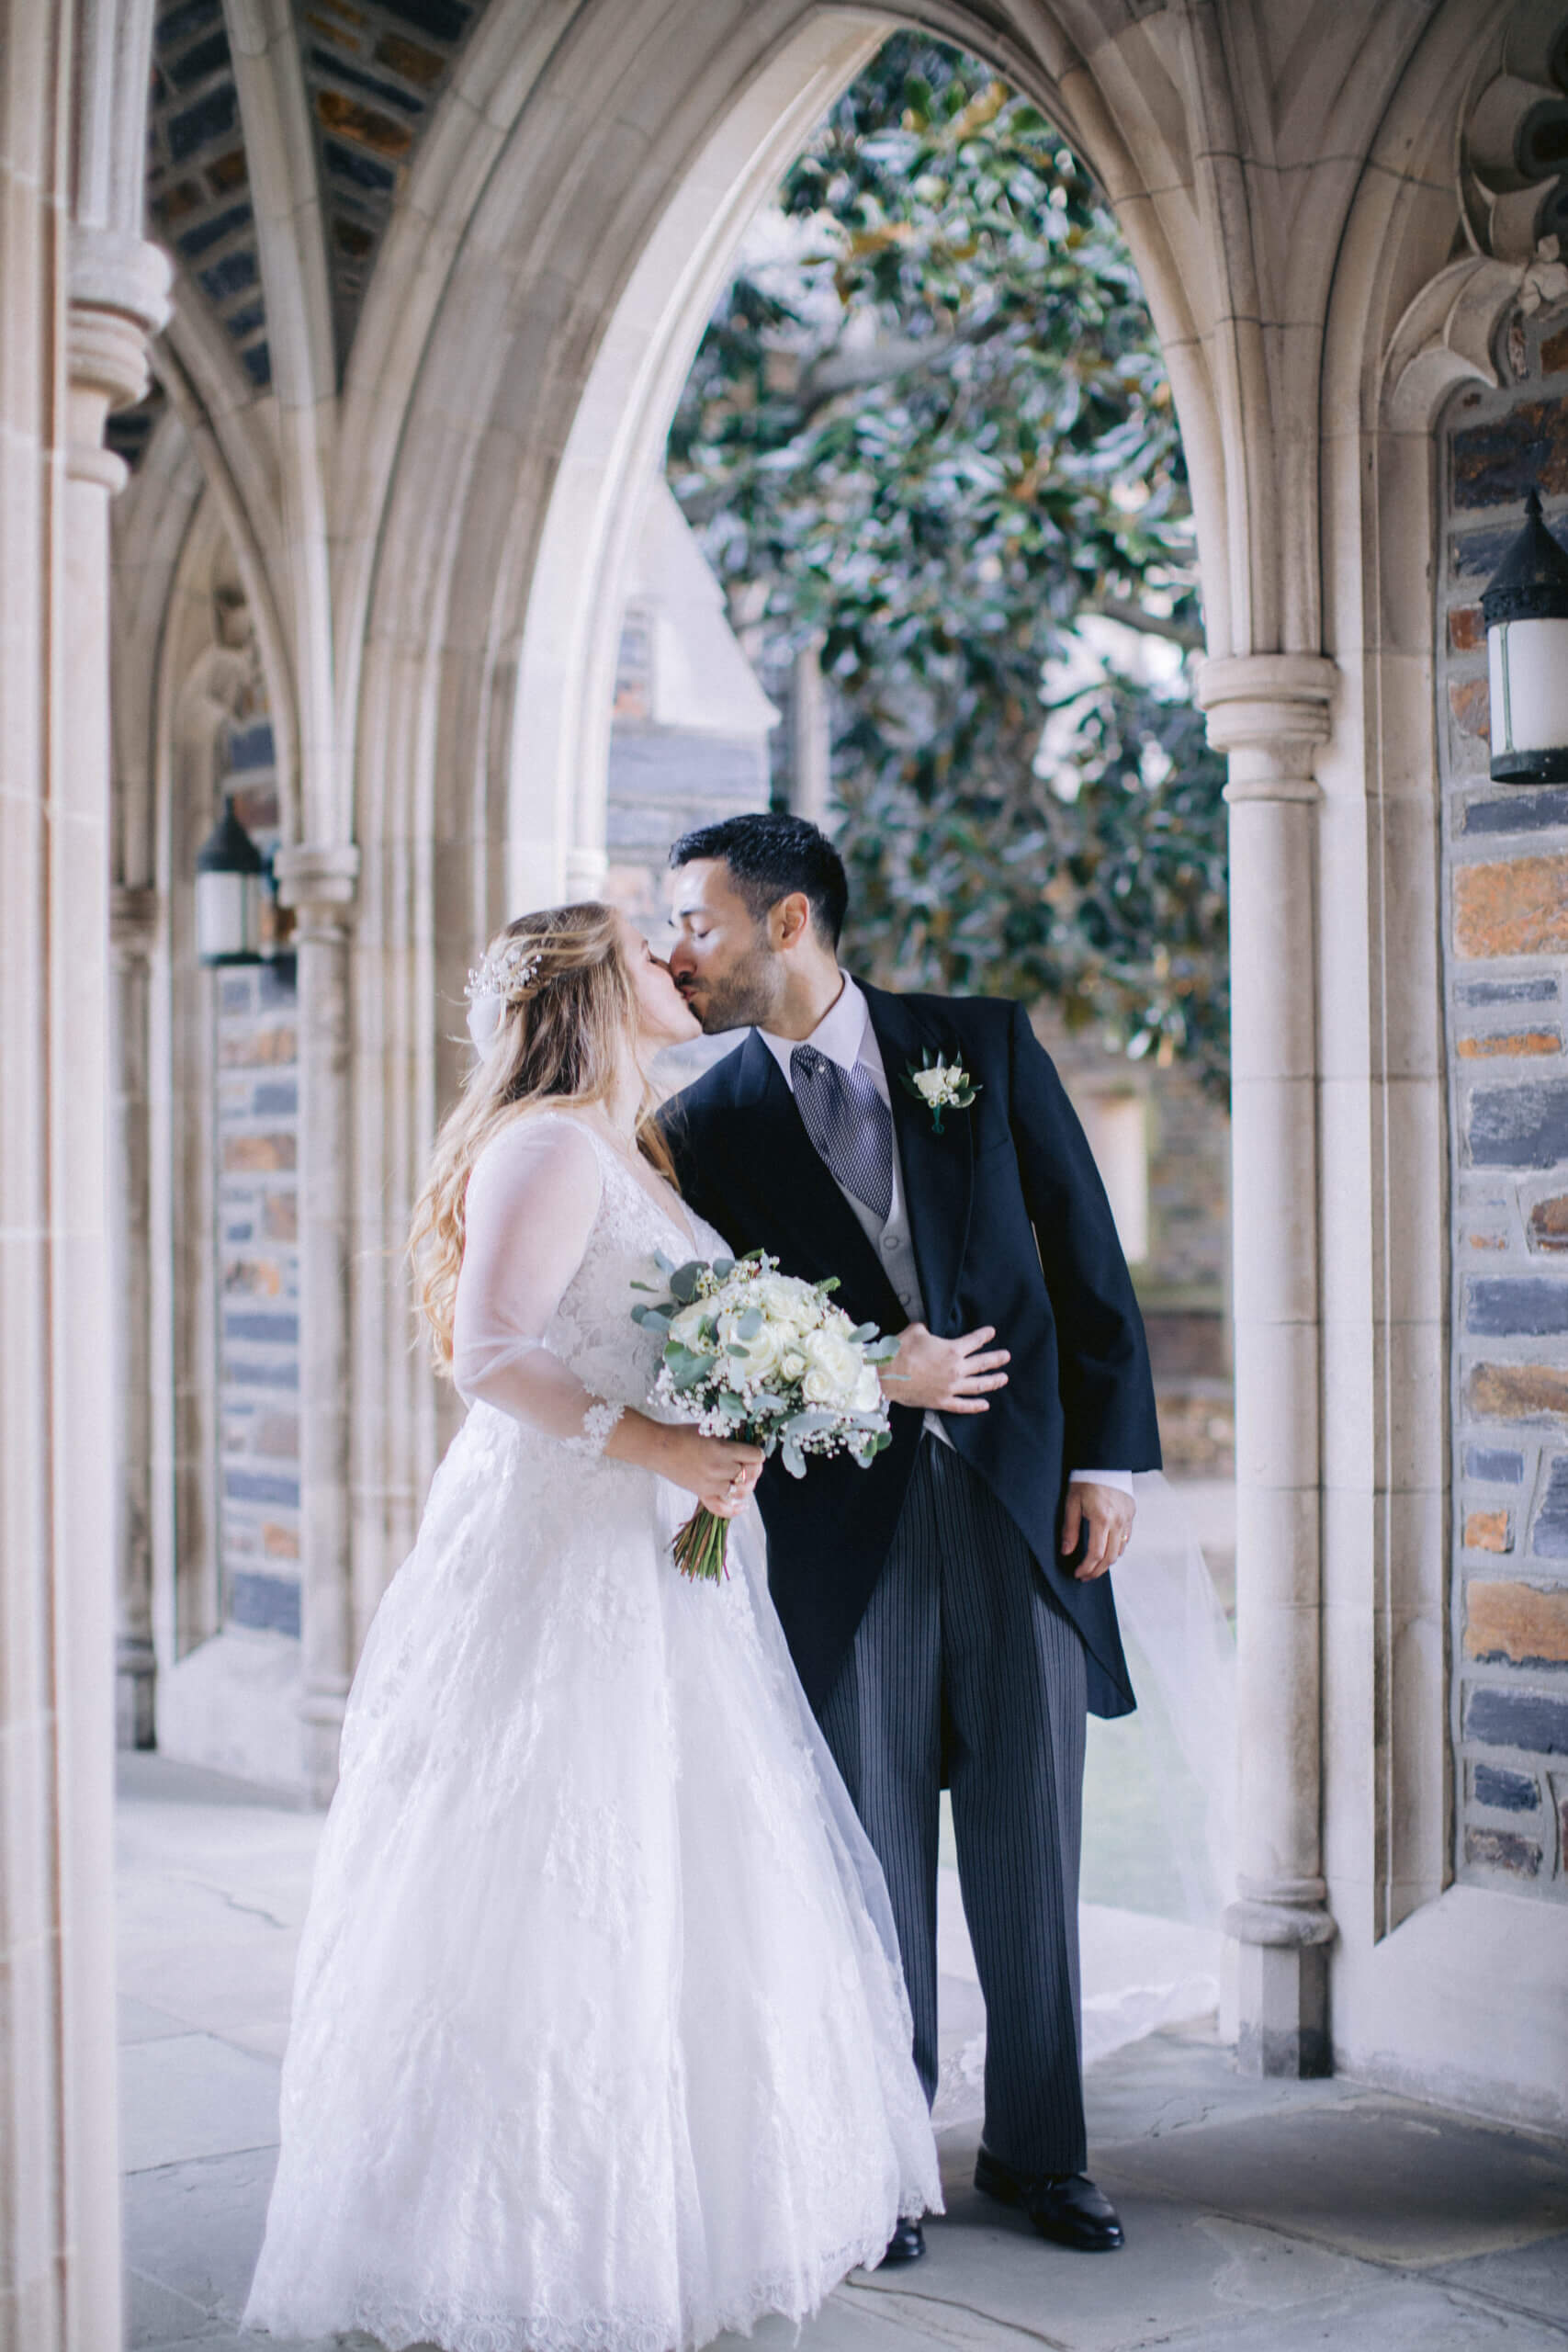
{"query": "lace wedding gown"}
(599, 2040)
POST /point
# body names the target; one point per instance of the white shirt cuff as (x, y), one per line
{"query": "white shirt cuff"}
(1120, 1479)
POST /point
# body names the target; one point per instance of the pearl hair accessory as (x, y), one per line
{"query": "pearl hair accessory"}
(497, 981)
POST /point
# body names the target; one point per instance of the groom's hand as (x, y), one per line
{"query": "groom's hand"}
(1107, 1513)
(944, 1376)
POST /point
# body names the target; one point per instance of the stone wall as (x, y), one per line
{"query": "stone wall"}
(1506, 854)
(258, 1339)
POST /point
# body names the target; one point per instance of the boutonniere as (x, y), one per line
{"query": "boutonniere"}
(941, 1086)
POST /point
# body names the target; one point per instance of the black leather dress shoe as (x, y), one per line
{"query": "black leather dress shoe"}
(907, 2244)
(1069, 2210)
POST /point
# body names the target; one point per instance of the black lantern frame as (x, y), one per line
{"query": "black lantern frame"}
(230, 878)
(1524, 607)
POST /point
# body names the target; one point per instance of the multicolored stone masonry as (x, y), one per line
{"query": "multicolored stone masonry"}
(1506, 920)
(258, 1268)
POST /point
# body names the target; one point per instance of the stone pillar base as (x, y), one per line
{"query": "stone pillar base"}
(320, 1733)
(1283, 1989)
(135, 1686)
(1284, 2012)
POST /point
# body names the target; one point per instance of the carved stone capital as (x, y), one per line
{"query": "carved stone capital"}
(133, 919)
(119, 301)
(318, 879)
(1269, 712)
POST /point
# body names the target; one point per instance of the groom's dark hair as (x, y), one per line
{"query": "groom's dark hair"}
(771, 855)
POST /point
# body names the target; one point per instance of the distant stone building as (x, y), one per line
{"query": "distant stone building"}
(689, 741)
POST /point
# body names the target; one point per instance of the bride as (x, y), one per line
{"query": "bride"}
(599, 2041)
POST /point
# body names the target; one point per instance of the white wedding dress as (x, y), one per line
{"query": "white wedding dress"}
(599, 2040)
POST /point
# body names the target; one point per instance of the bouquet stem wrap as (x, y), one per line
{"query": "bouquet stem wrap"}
(701, 1546)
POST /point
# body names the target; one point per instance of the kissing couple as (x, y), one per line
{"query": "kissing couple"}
(615, 2024)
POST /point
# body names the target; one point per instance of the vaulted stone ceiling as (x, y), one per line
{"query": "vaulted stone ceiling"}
(198, 177)
(373, 71)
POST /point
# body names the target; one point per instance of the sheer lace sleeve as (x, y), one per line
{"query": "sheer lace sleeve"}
(532, 1200)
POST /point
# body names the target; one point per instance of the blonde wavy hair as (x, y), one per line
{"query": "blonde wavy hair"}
(561, 1040)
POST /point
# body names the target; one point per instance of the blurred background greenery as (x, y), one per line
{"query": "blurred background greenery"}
(929, 433)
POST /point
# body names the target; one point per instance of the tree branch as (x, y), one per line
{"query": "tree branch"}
(1122, 609)
(887, 362)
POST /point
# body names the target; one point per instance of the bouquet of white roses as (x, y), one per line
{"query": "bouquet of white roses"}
(763, 1357)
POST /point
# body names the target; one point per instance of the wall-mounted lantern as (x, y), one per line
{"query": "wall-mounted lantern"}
(230, 878)
(1526, 610)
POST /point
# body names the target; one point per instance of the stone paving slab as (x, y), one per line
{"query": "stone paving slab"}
(1261, 2216)
(197, 2228)
(1532, 2278)
(154, 2313)
(140, 2022)
(1397, 2315)
(1180, 2272)
(1371, 2175)
(192, 2095)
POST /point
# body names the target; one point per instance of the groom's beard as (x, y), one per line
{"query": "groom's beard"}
(742, 998)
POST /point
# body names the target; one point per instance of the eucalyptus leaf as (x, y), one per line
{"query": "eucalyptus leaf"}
(810, 1423)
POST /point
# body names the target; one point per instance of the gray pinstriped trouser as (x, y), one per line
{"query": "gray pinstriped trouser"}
(964, 1655)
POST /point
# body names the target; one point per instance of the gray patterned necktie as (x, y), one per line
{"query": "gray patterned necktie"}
(849, 1123)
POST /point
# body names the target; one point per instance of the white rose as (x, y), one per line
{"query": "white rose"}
(781, 1299)
(791, 1364)
(868, 1390)
(686, 1327)
(934, 1084)
(833, 1368)
(762, 1350)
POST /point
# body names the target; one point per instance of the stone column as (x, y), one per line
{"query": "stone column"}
(132, 921)
(586, 867)
(117, 287)
(811, 774)
(319, 884)
(1269, 713)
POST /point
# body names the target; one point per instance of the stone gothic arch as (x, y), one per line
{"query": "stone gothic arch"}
(1333, 211)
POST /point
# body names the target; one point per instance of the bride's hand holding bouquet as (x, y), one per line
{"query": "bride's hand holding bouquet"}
(766, 1359)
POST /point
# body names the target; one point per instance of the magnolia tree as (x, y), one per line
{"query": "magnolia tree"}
(929, 432)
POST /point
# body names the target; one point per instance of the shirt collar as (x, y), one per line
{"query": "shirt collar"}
(841, 1033)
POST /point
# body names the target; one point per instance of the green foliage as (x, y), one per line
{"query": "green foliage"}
(929, 428)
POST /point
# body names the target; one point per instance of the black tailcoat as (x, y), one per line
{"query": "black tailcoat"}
(1010, 1226)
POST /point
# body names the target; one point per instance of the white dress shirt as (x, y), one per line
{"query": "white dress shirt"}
(845, 1036)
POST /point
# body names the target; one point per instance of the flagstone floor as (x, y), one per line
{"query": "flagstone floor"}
(1261, 2217)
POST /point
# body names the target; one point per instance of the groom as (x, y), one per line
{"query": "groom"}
(948, 1609)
